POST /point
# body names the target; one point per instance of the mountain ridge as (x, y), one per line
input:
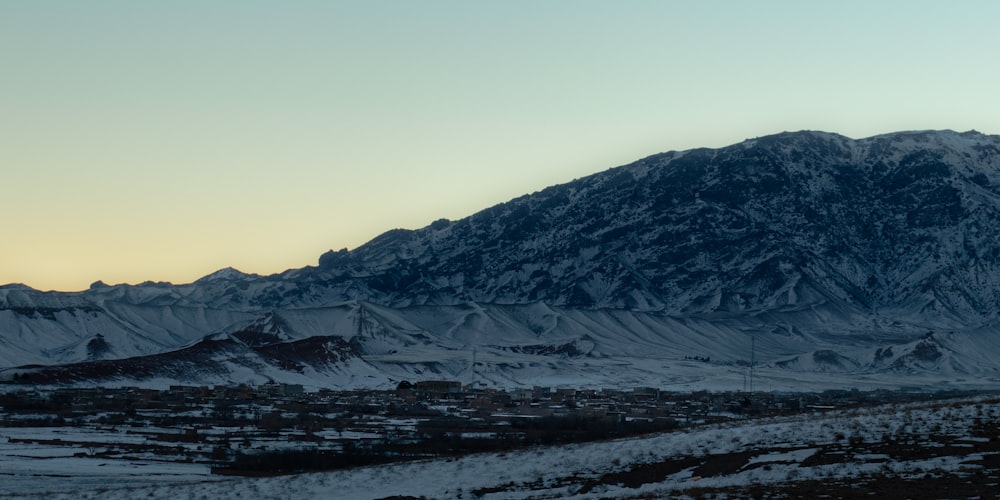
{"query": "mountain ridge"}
(835, 248)
(736, 207)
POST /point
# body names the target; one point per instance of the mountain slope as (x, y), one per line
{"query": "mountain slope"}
(839, 255)
(888, 222)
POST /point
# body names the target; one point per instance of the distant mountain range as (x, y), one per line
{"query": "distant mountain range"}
(838, 262)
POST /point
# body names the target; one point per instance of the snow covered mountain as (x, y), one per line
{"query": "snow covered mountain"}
(872, 261)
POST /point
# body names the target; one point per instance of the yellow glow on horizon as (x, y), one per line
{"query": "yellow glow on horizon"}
(146, 141)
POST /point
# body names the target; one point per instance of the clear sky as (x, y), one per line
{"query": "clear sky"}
(164, 140)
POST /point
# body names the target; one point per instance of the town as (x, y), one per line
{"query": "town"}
(282, 428)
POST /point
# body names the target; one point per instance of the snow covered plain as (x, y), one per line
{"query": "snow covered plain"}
(941, 446)
(33, 459)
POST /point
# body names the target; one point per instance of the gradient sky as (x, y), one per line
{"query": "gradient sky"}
(164, 140)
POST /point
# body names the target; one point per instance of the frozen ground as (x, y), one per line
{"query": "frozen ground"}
(945, 444)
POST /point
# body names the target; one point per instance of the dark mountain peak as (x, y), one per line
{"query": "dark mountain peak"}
(799, 138)
(17, 286)
(957, 145)
(224, 274)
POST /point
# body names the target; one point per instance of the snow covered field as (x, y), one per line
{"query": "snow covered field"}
(46, 465)
(944, 444)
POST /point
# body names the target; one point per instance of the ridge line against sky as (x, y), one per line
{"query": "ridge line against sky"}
(162, 141)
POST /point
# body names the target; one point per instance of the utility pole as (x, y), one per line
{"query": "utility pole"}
(473, 368)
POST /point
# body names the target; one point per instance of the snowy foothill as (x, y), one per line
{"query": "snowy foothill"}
(924, 441)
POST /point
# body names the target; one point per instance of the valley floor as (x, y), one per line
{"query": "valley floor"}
(915, 450)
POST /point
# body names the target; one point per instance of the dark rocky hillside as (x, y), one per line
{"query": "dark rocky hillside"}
(830, 255)
(906, 220)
